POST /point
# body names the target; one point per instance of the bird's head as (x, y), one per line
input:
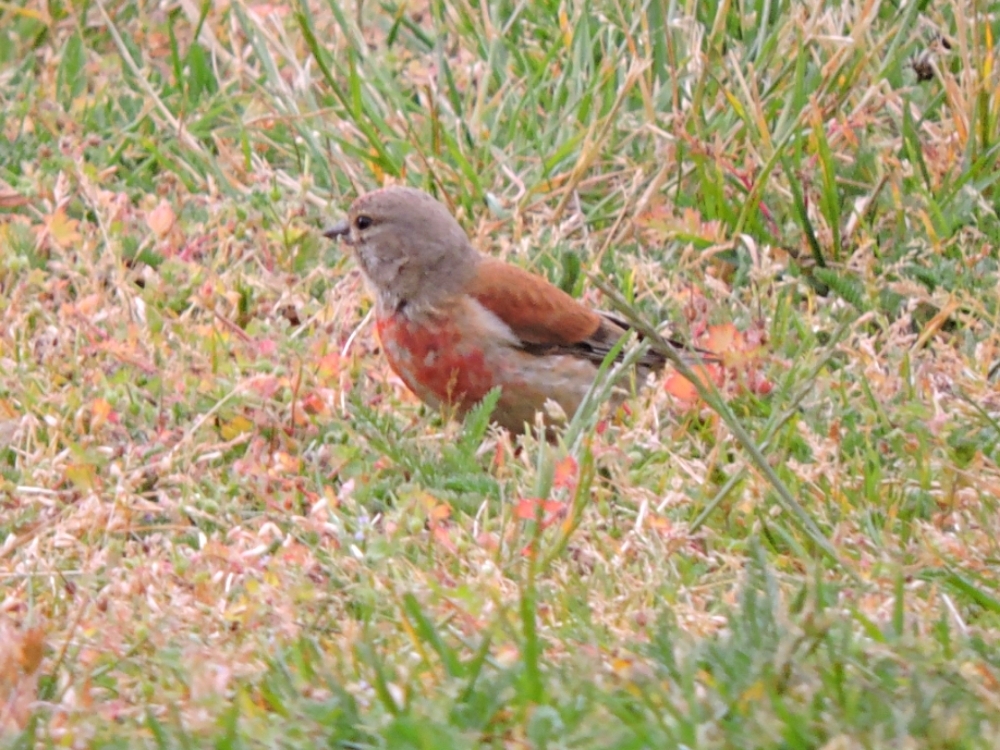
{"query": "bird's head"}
(409, 246)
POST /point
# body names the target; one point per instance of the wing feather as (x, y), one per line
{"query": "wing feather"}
(546, 320)
(537, 312)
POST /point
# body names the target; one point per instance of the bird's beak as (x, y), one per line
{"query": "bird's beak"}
(340, 229)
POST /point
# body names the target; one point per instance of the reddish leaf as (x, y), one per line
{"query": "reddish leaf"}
(684, 390)
(443, 537)
(161, 219)
(566, 473)
(328, 365)
(101, 412)
(527, 509)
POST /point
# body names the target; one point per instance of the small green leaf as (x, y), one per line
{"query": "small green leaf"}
(71, 77)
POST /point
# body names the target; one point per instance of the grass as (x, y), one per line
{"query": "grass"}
(224, 521)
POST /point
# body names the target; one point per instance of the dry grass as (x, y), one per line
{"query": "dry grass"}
(222, 518)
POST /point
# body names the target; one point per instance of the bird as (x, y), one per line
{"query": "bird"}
(455, 323)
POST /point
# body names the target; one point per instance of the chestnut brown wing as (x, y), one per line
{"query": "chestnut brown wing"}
(536, 311)
(544, 318)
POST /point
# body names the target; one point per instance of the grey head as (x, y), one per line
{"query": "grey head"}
(408, 245)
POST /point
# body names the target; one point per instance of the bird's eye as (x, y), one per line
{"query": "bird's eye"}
(363, 222)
